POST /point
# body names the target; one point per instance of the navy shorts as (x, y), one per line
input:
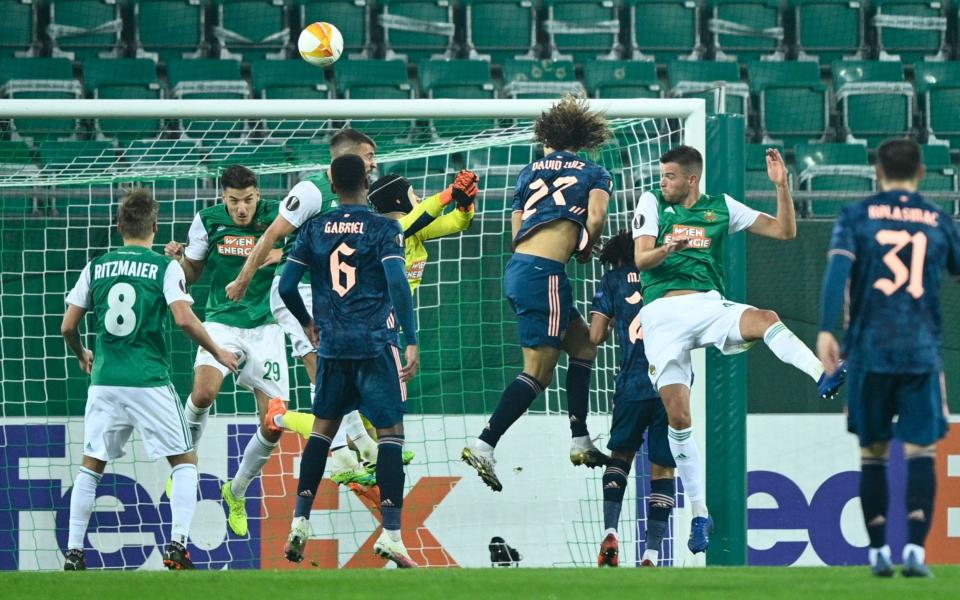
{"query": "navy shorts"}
(540, 295)
(918, 400)
(371, 385)
(631, 418)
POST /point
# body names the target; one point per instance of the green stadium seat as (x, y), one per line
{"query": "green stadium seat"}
(941, 177)
(17, 28)
(497, 30)
(582, 30)
(17, 160)
(708, 80)
(792, 101)
(124, 78)
(910, 30)
(834, 168)
(463, 79)
(938, 86)
(830, 29)
(376, 79)
(81, 29)
(874, 100)
(746, 30)
(254, 156)
(498, 168)
(151, 162)
(47, 78)
(417, 29)
(290, 79)
(665, 30)
(65, 159)
(165, 29)
(622, 79)
(208, 78)
(540, 79)
(351, 18)
(252, 29)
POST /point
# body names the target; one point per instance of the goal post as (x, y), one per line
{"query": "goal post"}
(62, 173)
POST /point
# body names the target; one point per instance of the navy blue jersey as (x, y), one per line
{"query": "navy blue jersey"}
(900, 245)
(557, 187)
(344, 250)
(619, 298)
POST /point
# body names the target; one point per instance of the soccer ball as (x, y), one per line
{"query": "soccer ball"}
(320, 44)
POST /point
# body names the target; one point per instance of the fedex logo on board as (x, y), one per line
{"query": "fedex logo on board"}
(136, 527)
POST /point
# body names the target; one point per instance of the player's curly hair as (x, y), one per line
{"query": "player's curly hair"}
(571, 125)
(617, 250)
(137, 214)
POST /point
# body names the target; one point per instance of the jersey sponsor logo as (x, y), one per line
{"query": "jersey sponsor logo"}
(886, 212)
(338, 227)
(236, 245)
(697, 236)
(415, 270)
(115, 268)
(293, 203)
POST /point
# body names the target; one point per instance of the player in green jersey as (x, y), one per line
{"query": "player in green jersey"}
(306, 200)
(129, 291)
(220, 239)
(679, 235)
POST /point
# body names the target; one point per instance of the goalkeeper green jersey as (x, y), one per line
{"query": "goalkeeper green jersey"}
(215, 240)
(306, 200)
(707, 224)
(129, 290)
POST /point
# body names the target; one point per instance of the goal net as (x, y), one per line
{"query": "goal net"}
(61, 180)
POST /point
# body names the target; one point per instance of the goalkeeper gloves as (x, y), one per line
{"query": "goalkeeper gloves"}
(463, 190)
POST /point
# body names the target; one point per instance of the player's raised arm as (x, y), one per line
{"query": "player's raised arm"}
(784, 225)
(302, 203)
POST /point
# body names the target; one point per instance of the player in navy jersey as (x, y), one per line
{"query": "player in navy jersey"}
(892, 248)
(360, 295)
(559, 207)
(636, 405)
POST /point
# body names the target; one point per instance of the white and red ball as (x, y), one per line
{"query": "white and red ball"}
(320, 44)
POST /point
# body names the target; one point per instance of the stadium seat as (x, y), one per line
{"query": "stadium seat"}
(380, 80)
(622, 79)
(874, 100)
(351, 18)
(792, 101)
(417, 29)
(539, 79)
(941, 177)
(224, 154)
(208, 78)
(126, 78)
(582, 30)
(709, 80)
(17, 28)
(466, 79)
(165, 29)
(498, 168)
(65, 159)
(829, 29)
(910, 30)
(497, 30)
(938, 86)
(746, 30)
(48, 78)
(151, 161)
(252, 29)
(834, 168)
(288, 79)
(81, 29)
(665, 30)
(16, 159)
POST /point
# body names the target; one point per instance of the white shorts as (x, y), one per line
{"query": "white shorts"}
(675, 325)
(265, 357)
(291, 326)
(113, 412)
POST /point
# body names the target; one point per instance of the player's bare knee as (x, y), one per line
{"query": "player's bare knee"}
(187, 458)
(876, 450)
(394, 430)
(911, 450)
(94, 464)
(660, 472)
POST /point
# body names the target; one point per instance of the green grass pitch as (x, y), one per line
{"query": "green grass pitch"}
(745, 583)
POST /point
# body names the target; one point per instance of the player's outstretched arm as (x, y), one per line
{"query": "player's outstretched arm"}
(647, 255)
(784, 226)
(192, 269)
(187, 320)
(70, 330)
(263, 254)
(399, 289)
